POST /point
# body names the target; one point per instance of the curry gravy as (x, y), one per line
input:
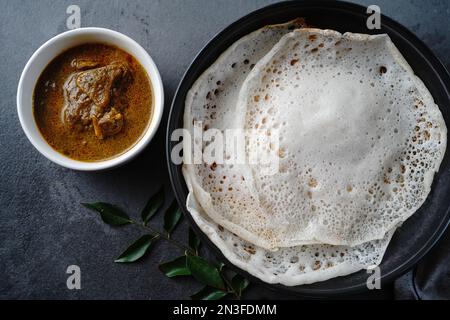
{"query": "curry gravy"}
(93, 102)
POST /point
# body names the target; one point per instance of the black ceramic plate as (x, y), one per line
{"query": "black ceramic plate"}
(419, 233)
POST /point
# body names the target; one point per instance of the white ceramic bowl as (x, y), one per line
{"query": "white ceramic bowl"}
(52, 48)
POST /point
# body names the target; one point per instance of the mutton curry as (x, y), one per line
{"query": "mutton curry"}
(93, 102)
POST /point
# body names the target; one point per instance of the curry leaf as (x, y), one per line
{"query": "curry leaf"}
(109, 213)
(208, 293)
(137, 250)
(239, 284)
(153, 205)
(172, 217)
(194, 241)
(204, 272)
(175, 268)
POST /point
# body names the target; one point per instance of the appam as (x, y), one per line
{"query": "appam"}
(362, 139)
(290, 266)
(416, 235)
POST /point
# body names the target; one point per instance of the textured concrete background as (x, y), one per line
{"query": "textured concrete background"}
(43, 228)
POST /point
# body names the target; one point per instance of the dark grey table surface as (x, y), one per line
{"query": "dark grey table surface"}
(43, 228)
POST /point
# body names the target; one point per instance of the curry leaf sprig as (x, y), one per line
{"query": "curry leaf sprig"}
(218, 281)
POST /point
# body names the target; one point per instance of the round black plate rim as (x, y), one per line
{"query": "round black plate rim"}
(226, 34)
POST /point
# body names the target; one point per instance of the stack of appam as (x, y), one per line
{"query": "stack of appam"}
(359, 139)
